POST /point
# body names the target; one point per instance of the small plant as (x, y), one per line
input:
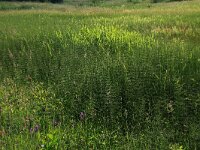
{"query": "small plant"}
(49, 141)
(176, 147)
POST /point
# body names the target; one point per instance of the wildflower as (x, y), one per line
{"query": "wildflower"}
(170, 107)
(42, 145)
(35, 129)
(55, 123)
(82, 115)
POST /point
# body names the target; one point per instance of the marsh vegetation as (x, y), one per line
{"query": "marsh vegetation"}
(98, 77)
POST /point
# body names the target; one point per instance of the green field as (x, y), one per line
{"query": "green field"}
(110, 76)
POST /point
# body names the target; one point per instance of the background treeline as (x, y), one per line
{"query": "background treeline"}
(89, 1)
(52, 1)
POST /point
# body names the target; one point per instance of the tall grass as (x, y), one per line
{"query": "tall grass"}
(102, 82)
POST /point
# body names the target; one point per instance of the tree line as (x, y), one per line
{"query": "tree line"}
(52, 1)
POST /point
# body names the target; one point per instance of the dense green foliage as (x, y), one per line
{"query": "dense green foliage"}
(121, 80)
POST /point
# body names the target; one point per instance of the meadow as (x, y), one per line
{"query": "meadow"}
(100, 77)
